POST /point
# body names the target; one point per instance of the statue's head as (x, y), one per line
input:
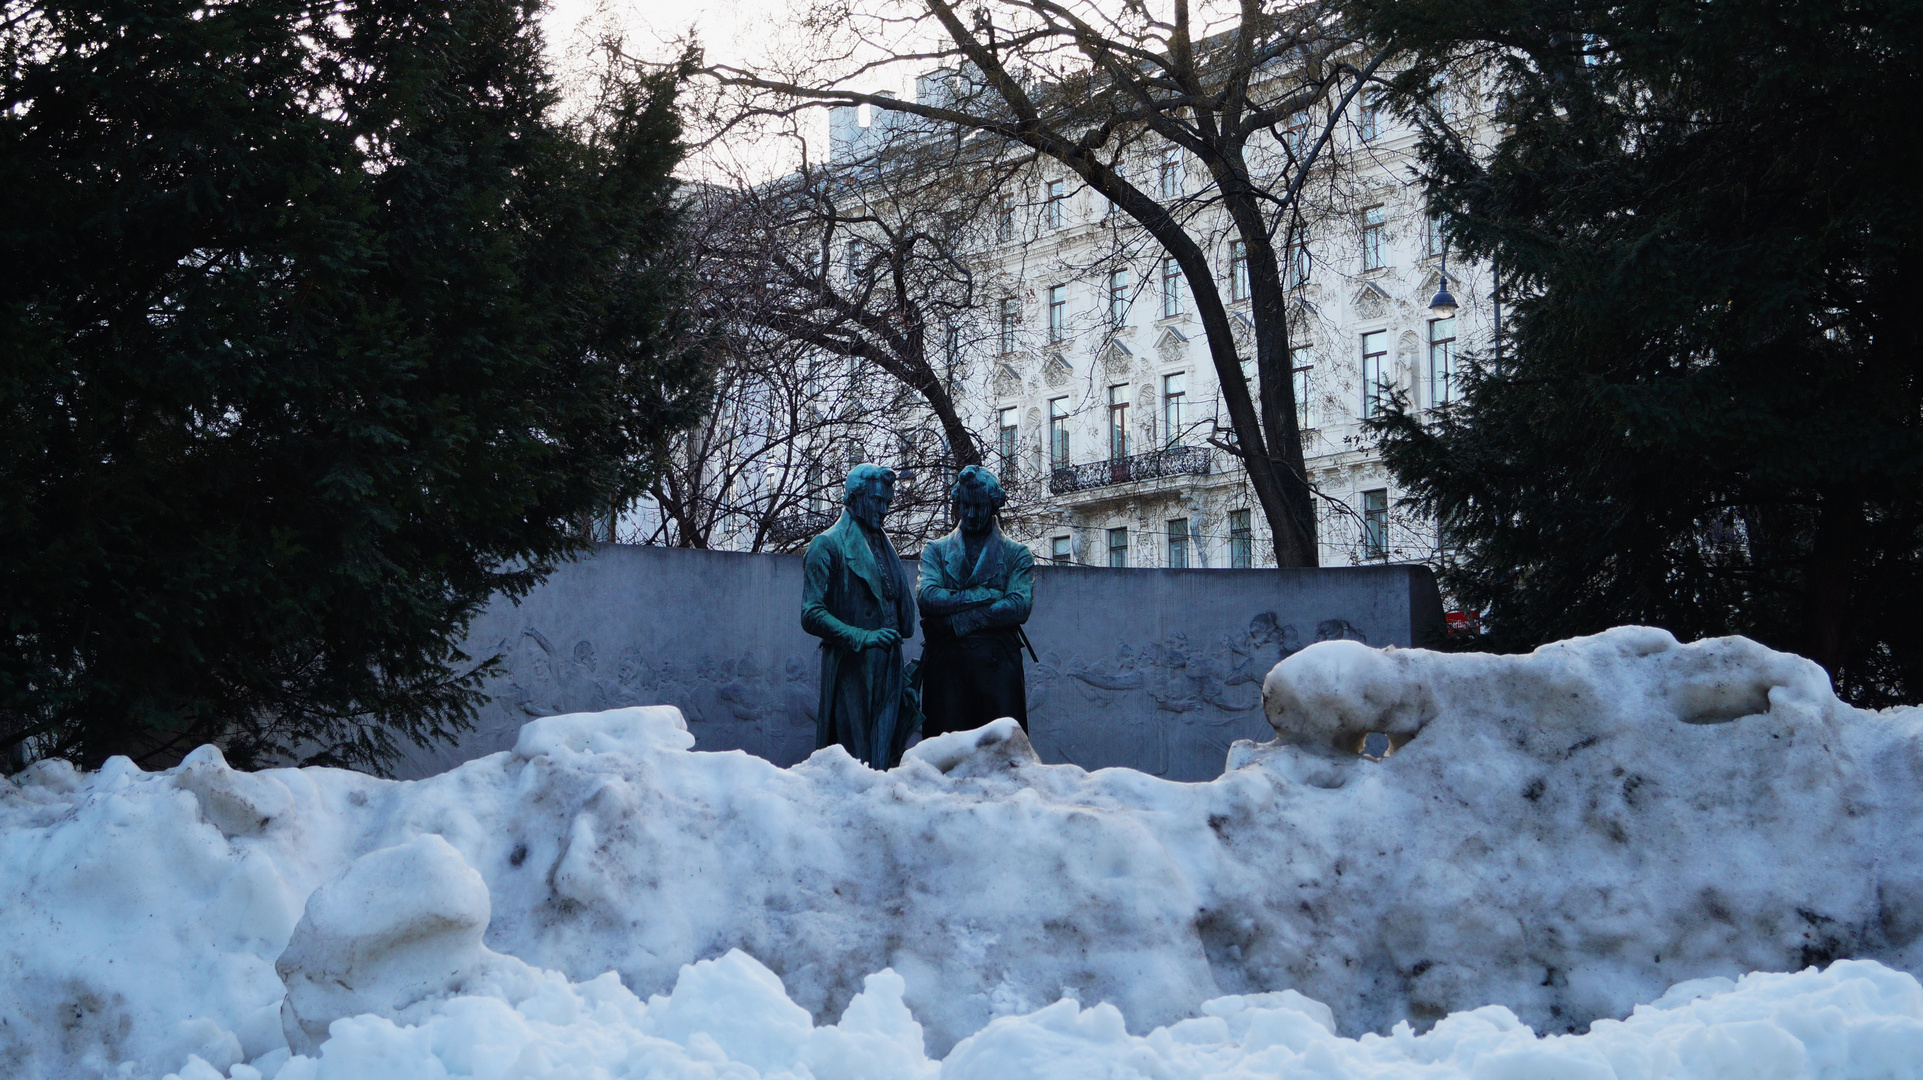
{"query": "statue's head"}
(868, 491)
(978, 496)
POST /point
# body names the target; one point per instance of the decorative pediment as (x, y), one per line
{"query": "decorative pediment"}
(1007, 382)
(1303, 317)
(1241, 328)
(1116, 358)
(1056, 371)
(1170, 338)
(1370, 302)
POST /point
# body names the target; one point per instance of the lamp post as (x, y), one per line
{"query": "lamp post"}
(1442, 305)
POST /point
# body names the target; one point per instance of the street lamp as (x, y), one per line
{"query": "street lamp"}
(1442, 305)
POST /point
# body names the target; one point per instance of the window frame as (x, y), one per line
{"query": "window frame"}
(1007, 435)
(1117, 299)
(1241, 541)
(1054, 193)
(1373, 364)
(1061, 550)
(1375, 224)
(1058, 447)
(1238, 270)
(1295, 131)
(1171, 288)
(1178, 543)
(1375, 523)
(1005, 218)
(1011, 321)
(1057, 313)
(1118, 552)
(1446, 384)
(1118, 422)
(1168, 177)
(1302, 379)
(1175, 393)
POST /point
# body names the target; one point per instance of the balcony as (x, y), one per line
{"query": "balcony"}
(1154, 465)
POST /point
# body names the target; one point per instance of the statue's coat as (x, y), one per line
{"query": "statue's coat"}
(844, 589)
(971, 656)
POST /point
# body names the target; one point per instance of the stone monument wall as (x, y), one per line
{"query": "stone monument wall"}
(1157, 670)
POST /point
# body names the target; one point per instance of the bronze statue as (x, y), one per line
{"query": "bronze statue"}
(857, 599)
(974, 595)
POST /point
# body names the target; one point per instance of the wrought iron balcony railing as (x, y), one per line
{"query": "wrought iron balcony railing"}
(1174, 461)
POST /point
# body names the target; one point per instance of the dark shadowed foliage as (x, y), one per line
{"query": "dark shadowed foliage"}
(1708, 411)
(319, 326)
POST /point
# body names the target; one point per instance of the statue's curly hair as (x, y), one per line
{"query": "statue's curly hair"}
(859, 478)
(973, 479)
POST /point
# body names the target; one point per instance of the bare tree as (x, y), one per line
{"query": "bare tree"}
(1256, 103)
(840, 304)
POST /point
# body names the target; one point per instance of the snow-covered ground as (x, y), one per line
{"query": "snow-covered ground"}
(1613, 827)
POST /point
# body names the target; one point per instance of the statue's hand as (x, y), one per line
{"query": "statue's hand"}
(879, 639)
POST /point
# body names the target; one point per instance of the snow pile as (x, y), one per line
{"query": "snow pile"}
(1558, 837)
(729, 1018)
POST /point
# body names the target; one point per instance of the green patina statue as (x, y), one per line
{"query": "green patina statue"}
(858, 600)
(975, 592)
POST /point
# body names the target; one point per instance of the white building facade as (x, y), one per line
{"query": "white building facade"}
(1097, 398)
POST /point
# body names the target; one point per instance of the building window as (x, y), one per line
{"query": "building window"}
(1302, 366)
(1005, 217)
(1171, 288)
(1374, 221)
(1371, 115)
(1174, 398)
(1295, 135)
(1011, 318)
(1006, 441)
(1298, 264)
(1238, 270)
(1057, 312)
(1434, 240)
(851, 260)
(1444, 98)
(1241, 541)
(1375, 384)
(1058, 432)
(1052, 209)
(1118, 546)
(1375, 523)
(1442, 361)
(1170, 174)
(1118, 299)
(1059, 551)
(1178, 543)
(1117, 422)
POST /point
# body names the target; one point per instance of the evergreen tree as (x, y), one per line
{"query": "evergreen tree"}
(318, 326)
(1708, 411)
